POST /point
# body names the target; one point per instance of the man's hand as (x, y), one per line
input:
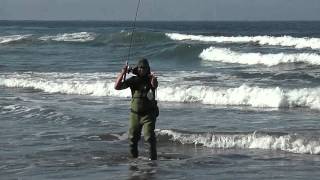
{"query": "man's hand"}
(120, 77)
(125, 68)
(153, 80)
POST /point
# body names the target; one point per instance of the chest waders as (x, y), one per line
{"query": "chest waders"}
(143, 117)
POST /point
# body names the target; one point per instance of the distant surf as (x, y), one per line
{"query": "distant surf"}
(13, 38)
(71, 37)
(228, 56)
(287, 41)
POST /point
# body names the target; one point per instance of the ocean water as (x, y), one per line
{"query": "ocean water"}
(238, 100)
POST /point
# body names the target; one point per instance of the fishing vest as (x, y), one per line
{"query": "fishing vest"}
(143, 97)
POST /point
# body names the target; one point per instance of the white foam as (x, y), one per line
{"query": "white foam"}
(228, 56)
(100, 84)
(288, 143)
(242, 96)
(13, 108)
(288, 41)
(13, 38)
(67, 83)
(71, 37)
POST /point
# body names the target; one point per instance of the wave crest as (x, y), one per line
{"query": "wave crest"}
(288, 143)
(103, 85)
(287, 41)
(71, 37)
(13, 38)
(229, 56)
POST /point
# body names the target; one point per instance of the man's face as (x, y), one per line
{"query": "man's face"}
(142, 71)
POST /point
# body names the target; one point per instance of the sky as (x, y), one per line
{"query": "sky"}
(161, 10)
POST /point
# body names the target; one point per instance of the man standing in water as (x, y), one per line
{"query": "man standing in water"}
(144, 109)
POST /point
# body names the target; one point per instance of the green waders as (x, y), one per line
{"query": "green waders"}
(144, 111)
(147, 122)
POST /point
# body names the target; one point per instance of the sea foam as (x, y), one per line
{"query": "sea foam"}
(228, 56)
(13, 38)
(244, 95)
(103, 85)
(287, 41)
(71, 37)
(66, 83)
(288, 143)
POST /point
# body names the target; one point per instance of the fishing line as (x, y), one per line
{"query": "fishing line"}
(133, 30)
(131, 38)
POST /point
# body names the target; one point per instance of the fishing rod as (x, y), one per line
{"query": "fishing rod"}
(132, 33)
(133, 29)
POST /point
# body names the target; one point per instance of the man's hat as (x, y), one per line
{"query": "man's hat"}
(143, 63)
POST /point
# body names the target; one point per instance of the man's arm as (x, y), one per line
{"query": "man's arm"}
(154, 81)
(118, 85)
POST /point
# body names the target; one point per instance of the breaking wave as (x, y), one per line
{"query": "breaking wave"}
(13, 38)
(287, 142)
(81, 37)
(287, 41)
(228, 56)
(67, 83)
(243, 96)
(71, 37)
(65, 37)
(102, 84)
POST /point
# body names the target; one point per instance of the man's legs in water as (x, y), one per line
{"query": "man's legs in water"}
(134, 134)
(149, 122)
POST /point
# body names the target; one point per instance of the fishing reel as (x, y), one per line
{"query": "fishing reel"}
(133, 70)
